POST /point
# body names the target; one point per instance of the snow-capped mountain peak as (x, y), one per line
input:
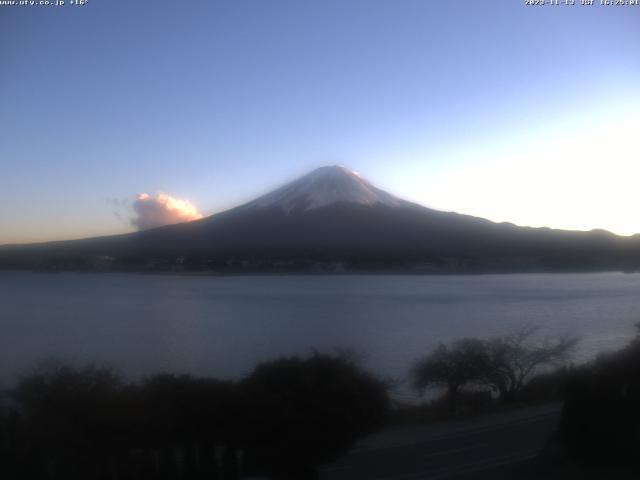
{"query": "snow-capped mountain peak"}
(325, 186)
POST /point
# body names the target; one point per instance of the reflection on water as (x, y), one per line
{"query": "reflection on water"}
(222, 326)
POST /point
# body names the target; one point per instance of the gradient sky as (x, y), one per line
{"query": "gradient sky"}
(492, 108)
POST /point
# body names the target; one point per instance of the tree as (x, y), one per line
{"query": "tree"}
(73, 417)
(600, 418)
(503, 364)
(308, 411)
(512, 359)
(452, 367)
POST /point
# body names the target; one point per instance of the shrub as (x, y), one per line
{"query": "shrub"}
(308, 411)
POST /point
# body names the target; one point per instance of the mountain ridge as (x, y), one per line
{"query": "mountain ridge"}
(332, 219)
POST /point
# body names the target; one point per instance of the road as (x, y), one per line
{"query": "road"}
(492, 447)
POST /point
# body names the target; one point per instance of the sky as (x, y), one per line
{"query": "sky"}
(526, 114)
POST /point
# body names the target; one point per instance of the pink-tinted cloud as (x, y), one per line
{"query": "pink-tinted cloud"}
(161, 209)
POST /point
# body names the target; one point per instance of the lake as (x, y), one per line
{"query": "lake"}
(223, 326)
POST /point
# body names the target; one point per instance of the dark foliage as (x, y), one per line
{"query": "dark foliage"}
(74, 419)
(69, 423)
(547, 386)
(600, 421)
(304, 412)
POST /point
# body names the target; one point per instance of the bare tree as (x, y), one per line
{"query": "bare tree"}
(452, 367)
(504, 364)
(512, 359)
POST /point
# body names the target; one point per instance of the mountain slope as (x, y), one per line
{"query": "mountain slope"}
(335, 217)
(322, 187)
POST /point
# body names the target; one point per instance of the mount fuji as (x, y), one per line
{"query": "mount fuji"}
(323, 187)
(332, 219)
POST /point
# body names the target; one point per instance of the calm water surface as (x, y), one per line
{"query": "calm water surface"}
(222, 326)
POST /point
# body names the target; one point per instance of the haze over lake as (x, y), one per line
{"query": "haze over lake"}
(222, 326)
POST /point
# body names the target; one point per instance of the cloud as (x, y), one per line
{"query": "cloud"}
(155, 211)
